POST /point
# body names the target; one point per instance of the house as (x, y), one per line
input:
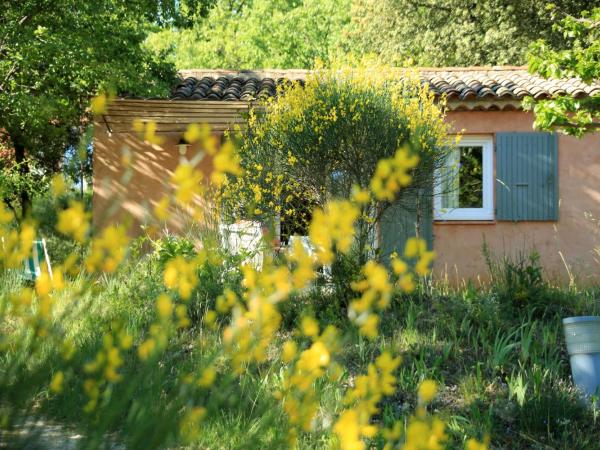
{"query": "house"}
(515, 189)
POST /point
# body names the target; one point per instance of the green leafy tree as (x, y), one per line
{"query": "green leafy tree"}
(574, 116)
(453, 32)
(252, 34)
(177, 13)
(56, 54)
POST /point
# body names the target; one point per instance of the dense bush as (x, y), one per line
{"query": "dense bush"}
(325, 139)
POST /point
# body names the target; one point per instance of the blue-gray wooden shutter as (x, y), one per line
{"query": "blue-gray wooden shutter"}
(526, 176)
(412, 216)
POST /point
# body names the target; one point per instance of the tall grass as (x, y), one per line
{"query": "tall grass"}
(502, 367)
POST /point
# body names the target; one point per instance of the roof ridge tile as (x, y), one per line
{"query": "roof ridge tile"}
(473, 82)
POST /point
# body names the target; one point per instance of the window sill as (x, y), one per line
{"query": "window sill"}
(464, 222)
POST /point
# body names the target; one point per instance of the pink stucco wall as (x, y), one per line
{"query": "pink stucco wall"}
(127, 194)
(570, 245)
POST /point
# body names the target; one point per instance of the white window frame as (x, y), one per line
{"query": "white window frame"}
(487, 211)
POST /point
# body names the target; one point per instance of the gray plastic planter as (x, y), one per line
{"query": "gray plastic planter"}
(582, 335)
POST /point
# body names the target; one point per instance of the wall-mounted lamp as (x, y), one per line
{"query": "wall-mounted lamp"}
(182, 146)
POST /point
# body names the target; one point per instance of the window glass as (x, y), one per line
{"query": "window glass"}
(463, 180)
(464, 190)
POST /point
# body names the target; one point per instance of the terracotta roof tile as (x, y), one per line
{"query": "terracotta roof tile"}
(469, 83)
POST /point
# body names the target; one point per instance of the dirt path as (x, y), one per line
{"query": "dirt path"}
(43, 435)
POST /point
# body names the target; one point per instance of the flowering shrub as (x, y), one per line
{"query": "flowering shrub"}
(120, 375)
(337, 136)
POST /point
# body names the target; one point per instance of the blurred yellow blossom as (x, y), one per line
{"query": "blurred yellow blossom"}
(161, 209)
(304, 270)
(180, 275)
(369, 327)
(164, 306)
(188, 182)
(226, 161)
(208, 377)
(407, 283)
(146, 348)
(474, 444)
(196, 132)
(289, 351)
(348, 430)
(99, 104)
(74, 221)
(44, 284)
(56, 385)
(392, 174)
(309, 326)
(355, 423)
(414, 247)
(360, 196)
(333, 228)
(422, 267)
(58, 185)
(210, 317)
(427, 390)
(398, 266)
(16, 245)
(108, 250)
(189, 426)
(183, 321)
(147, 131)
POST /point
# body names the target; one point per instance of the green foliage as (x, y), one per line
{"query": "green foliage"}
(323, 140)
(170, 246)
(18, 178)
(464, 339)
(177, 13)
(519, 284)
(44, 212)
(580, 57)
(293, 34)
(55, 55)
(258, 34)
(452, 32)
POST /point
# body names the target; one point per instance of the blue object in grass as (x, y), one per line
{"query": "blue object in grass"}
(582, 335)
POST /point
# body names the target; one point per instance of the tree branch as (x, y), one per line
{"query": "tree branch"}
(10, 73)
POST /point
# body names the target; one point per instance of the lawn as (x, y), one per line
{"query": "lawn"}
(499, 362)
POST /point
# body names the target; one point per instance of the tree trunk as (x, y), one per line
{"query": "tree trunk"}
(24, 170)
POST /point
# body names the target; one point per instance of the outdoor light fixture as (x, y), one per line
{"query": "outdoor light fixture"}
(182, 146)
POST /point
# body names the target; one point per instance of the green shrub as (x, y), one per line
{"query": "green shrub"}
(170, 246)
(219, 272)
(44, 212)
(521, 288)
(324, 140)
